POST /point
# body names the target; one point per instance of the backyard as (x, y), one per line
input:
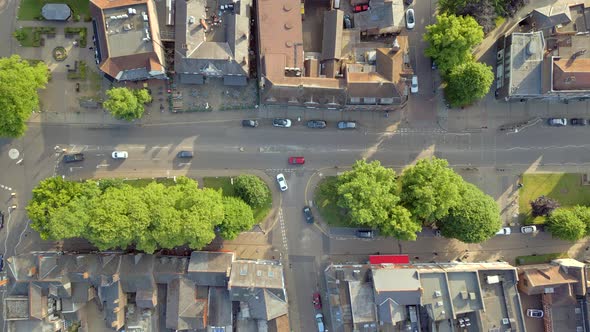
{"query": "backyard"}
(30, 10)
(224, 183)
(566, 188)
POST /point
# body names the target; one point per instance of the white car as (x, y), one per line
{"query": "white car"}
(120, 155)
(410, 19)
(319, 318)
(414, 86)
(528, 229)
(504, 231)
(535, 313)
(282, 182)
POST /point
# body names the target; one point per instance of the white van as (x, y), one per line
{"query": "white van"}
(320, 321)
(336, 4)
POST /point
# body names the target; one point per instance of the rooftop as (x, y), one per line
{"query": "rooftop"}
(208, 261)
(56, 11)
(128, 33)
(256, 274)
(527, 63)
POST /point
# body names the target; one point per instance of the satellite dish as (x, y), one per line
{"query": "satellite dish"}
(13, 154)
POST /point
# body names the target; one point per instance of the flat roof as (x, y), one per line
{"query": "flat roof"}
(526, 53)
(435, 292)
(362, 302)
(126, 33)
(256, 274)
(465, 291)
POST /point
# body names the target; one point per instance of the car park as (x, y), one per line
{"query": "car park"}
(72, 158)
(319, 318)
(185, 154)
(414, 85)
(250, 123)
(283, 123)
(296, 160)
(410, 19)
(557, 122)
(317, 301)
(346, 125)
(316, 124)
(365, 233)
(528, 229)
(535, 313)
(308, 214)
(282, 182)
(120, 155)
(360, 8)
(578, 122)
(504, 231)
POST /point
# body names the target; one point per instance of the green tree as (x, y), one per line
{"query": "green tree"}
(19, 34)
(468, 82)
(369, 195)
(474, 220)
(429, 189)
(126, 104)
(583, 213)
(238, 217)
(252, 190)
(19, 82)
(451, 40)
(566, 225)
(202, 211)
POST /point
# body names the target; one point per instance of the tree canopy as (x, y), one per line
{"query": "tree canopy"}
(114, 214)
(429, 189)
(451, 40)
(126, 104)
(474, 220)
(566, 224)
(19, 82)
(252, 190)
(369, 195)
(468, 82)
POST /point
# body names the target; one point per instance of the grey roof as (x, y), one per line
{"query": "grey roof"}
(208, 261)
(361, 302)
(390, 312)
(390, 279)
(256, 274)
(217, 314)
(465, 291)
(56, 11)
(146, 298)
(332, 37)
(526, 63)
(115, 300)
(136, 273)
(235, 80)
(16, 307)
(191, 78)
(266, 305)
(183, 310)
(167, 268)
(436, 290)
(551, 15)
(382, 16)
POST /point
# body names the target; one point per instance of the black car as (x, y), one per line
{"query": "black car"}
(1, 220)
(1, 262)
(185, 154)
(308, 214)
(320, 124)
(365, 233)
(250, 123)
(71, 158)
(578, 122)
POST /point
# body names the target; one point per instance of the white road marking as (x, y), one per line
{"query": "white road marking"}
(183, 164)
(283, 230)
(102, 165)
(77, 167)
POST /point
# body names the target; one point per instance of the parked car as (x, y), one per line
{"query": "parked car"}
(283, 123)
(1, 262)
(528, 229)
(414, 86)
(409, 2)
(365, 233)
(346, 125)
(433, 65)
(360, 8)
(557, 122)
(282, 182)
(308, 214)
(77, 87)
(319, 318)
(410, 19)
(319, 124)
(71, 158)
(535, 313)
(120, 155)
(250, 123)
(504, 231)
(296, 160)
(185, 154)
(347, 22)
(578, 122)
(1, 220)
(317, 301)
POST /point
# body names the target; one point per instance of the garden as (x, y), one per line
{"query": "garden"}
(30, 10)
(31, 36)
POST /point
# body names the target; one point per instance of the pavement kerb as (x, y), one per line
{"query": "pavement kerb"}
(266, 225)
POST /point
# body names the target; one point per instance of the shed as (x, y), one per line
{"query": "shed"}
(56, 12)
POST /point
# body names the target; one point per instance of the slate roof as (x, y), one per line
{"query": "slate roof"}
(56, 12)
(332, 37)
(551, 15)
(266, 305)
(210, 268)
(183, 310)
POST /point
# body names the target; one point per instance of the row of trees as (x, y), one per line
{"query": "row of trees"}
(113, 214)
(451, 41)
(485, 12)
(428, 193)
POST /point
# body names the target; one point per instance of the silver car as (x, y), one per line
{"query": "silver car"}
(557, 122)
(120, 155)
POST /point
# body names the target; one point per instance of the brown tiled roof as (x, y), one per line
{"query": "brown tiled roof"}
(546, 275)
(113, 66)
(571, 74)
(105, 4)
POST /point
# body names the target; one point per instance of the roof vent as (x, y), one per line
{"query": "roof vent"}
(532, 48)
(288, 26)
(395, 46)
(191, 20)
(289, 44)
(287, 7)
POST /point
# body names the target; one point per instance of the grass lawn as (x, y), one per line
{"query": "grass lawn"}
(326, 203)
(30, 10)
(144, 182)
(227, 188)
(566, 188)
(539, 259)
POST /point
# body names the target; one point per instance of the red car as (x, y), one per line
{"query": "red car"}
(317, 301)
(296, 160)
(360, 8)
